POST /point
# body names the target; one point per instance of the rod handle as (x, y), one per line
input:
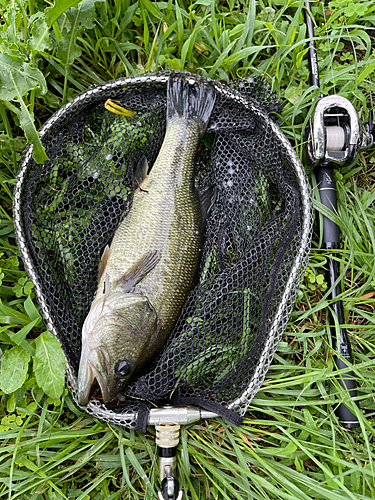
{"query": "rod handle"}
(346, 417)
(328, 197)
(341, 344)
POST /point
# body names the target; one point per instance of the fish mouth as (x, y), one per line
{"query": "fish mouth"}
(93, 368)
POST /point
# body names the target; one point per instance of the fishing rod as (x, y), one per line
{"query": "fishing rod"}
(335, 136)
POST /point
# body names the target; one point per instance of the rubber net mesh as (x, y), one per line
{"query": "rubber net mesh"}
(71, 205)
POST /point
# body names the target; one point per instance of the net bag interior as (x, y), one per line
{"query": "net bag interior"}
(256, 241)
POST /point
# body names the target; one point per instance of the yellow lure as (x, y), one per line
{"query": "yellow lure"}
(118, 110)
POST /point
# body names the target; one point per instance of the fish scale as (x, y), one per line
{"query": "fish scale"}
(165, 216)
(153, 262)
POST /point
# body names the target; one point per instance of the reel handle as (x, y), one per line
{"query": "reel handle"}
(341, 343)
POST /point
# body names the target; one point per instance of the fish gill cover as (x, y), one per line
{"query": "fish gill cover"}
(255, 250)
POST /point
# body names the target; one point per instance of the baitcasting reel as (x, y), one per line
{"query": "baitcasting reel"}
(334, 136)
(335, 133)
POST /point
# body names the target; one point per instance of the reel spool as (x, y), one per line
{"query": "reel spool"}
(335, 134)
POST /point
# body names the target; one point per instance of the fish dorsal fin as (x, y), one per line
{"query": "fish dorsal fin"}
(139, 270)
(103, 261)
(140, 172)
(207, 198)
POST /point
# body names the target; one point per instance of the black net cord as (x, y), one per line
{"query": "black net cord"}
(143, 417)
(229, 415)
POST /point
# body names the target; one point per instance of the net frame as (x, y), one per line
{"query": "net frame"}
(286, 303)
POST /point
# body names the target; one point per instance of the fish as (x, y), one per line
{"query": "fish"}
(152, 264)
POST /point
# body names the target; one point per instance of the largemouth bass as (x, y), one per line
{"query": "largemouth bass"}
(152, 263)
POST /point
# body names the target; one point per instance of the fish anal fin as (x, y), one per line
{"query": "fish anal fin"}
(207, 198)
(103, 261)
(140, 172)
(139, 270)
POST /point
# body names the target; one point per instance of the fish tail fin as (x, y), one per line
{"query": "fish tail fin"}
(191, 98)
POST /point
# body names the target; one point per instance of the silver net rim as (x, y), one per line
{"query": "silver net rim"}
(95, 407)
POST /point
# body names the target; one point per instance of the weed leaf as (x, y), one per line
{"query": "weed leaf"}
(20, 336)
(14, 366)
(49, 365)
(77, 18)
(31, 133)
(59, 7)
(40, 38)
(367, 71)
(31, 310)
(151, 7)
(9, 316)
(18, 77)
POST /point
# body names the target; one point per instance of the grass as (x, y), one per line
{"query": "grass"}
(291, 445)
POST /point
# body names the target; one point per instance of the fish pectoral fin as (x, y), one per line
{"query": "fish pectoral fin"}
(139, 270)
(103, 261)
(207, 198)
(140, 172)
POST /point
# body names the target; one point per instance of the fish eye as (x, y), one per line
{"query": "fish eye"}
(123, 368)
